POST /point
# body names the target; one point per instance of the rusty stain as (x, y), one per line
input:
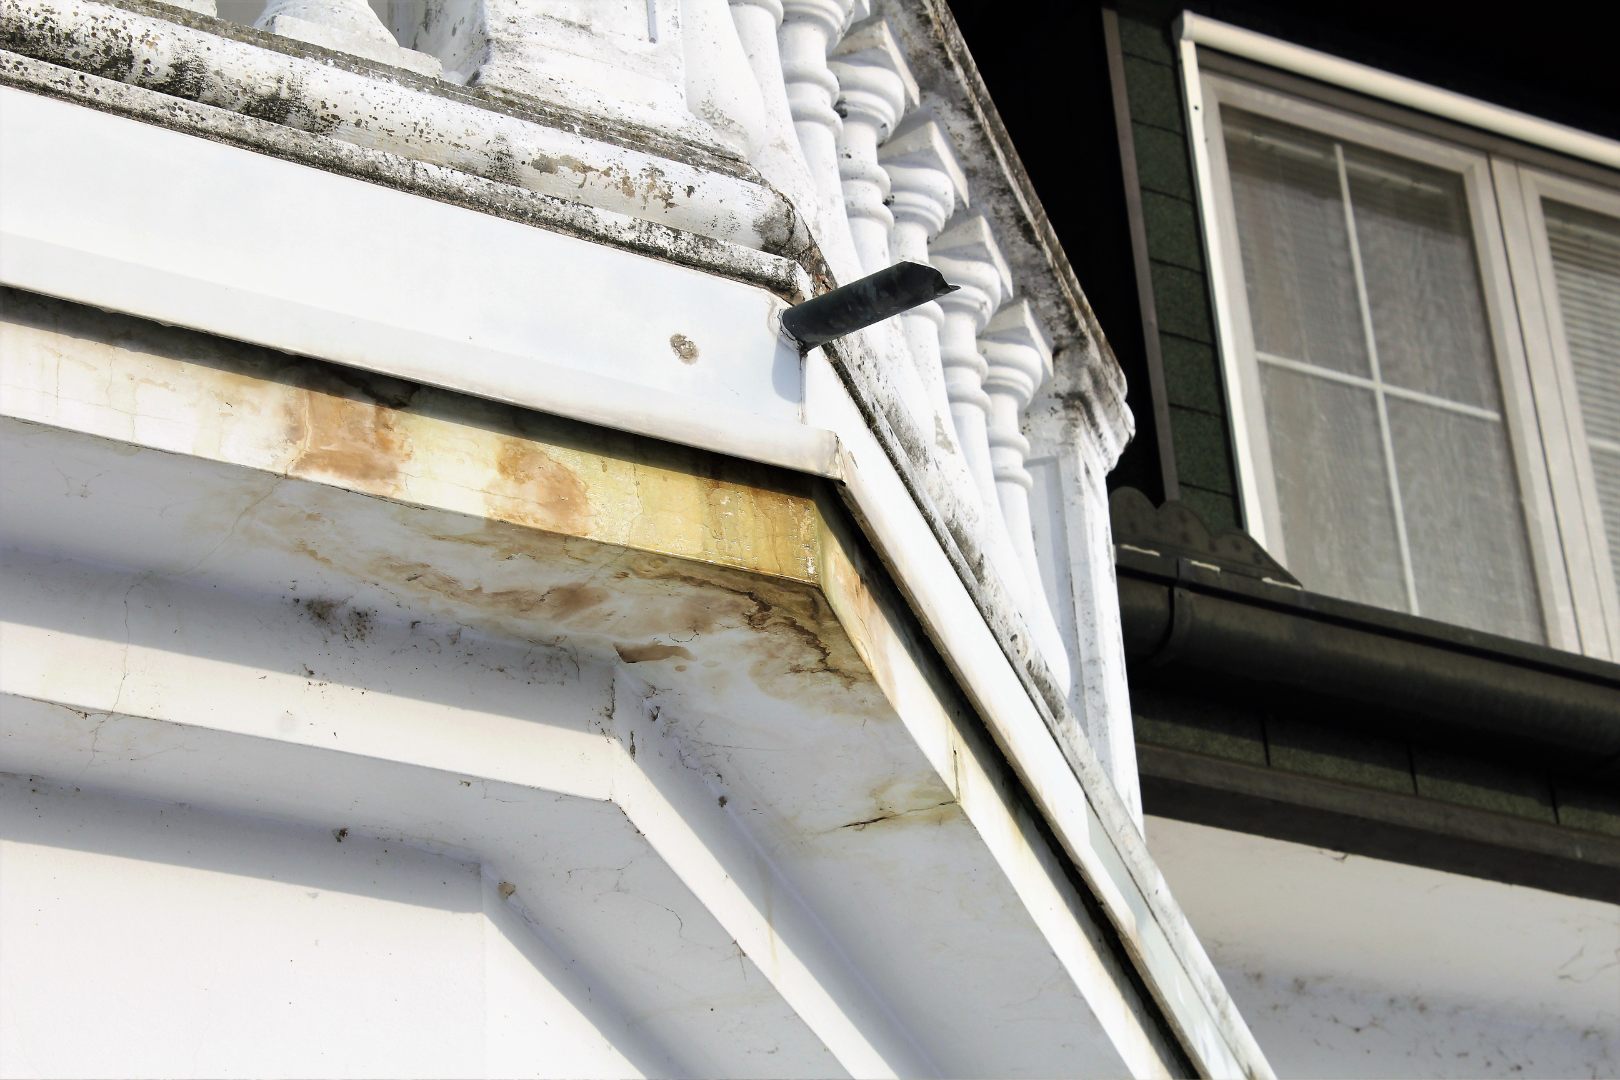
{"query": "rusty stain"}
(342, 438)
(936, 814)
(654, 650)
(563, 602)
(584, 530)
(533, 488)
(684, 347)
(506, 889)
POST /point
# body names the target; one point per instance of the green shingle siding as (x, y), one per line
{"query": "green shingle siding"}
(1202, 727)
(1366, 761)
(1201, 454)
(1340, 756)
(1218, 511)
(1175, 251)
(1161, 161)
(1584, 807)
(1192, 375)
(1172, 230)
(1481, 784)
(1144, 40)
(1154, 96)
(1182, 303)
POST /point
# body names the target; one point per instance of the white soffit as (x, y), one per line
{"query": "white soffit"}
(1396, 88)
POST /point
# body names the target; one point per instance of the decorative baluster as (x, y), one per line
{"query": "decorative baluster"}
(349, 26)
(925, 185)
(720, 86)
(1018, 359)
(809, 29)
(781, 160)
(875, 89)
(966, 253)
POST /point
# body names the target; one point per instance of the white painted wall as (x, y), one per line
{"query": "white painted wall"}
(211, 944)
(1352, 967)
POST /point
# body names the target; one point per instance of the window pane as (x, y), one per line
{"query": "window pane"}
(1417, 252)
(1586, 260)
(1296, 250)
(1338, 519)
(1470, 555)
(1379, 379)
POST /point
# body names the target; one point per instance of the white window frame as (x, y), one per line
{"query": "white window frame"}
(1568, 548)
(1521, 190)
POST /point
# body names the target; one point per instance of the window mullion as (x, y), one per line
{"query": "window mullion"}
(1377, 381)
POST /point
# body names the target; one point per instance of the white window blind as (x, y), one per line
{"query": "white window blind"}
(1586, 262)
(1395, 481)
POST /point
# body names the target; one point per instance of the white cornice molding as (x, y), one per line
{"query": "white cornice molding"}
(1350, 75)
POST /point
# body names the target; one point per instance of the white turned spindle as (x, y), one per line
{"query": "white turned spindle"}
(966, 253)
(1018, 357)
(925, 186)
(350, 17)
(809, 29)
(875, 88)
(720, 86)
(348, 26)
(781, 160)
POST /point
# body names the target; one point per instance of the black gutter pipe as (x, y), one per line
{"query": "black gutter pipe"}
(1194, 625)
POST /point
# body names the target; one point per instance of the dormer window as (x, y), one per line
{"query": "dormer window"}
(1421, 341)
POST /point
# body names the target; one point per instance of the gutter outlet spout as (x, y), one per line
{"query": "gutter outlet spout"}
(859, 304)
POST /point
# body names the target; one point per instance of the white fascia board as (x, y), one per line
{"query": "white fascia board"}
(1312, 64)
(129, 217)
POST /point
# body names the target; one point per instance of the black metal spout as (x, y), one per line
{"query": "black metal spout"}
(872, 299)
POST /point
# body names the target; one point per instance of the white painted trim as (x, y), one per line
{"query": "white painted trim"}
(1592, 574)
(1194, 29)
(1220, 290)
(292, 276)
(1244, 362)
(731, 877)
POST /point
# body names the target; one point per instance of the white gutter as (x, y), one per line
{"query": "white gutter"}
(1398, 89)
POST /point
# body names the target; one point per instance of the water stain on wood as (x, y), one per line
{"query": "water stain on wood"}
(640, 654)
(533, 488)
(343, 439)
